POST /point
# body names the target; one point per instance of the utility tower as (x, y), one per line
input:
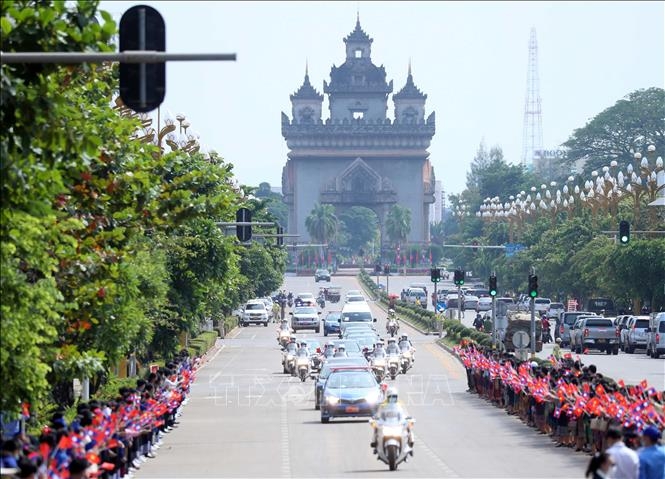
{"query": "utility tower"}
(532, 140)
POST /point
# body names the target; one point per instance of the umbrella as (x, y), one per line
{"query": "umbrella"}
(393, 296)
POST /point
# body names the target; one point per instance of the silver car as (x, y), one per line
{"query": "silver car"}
(635, 335)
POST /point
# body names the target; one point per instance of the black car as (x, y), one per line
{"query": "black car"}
(322, 275)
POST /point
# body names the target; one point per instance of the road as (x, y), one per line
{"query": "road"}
(632, 368)
(246, 419)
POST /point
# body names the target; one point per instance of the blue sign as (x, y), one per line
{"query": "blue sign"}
(512, 248)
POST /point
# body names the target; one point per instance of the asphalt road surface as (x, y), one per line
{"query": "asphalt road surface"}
(632, 368)
(247, 419)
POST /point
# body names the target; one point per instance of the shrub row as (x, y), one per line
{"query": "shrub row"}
(202, 343)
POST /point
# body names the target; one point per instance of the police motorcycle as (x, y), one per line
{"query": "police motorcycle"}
(407, 354)
(393, 439)
(393, 359)
(328, 351)
(283, 333)
(316, 360)
(321, 300)
(378, 362)
(302, 362)
(392, 326)
(289, 356)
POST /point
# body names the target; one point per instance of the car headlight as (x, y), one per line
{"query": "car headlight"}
(392, 431)
(373, 397)
(332, 400)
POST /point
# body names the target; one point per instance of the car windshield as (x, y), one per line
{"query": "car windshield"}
(359, 316)
(354, 299)
(253, 307)
(542, 301)
(606, 323)
(556, 305)
(351, 379)
(331, 364)
(304, 310)
(642, 323)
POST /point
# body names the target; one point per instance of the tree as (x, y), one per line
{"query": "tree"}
(630, 125)
(360, 226)
(322, 223)
(398, 224)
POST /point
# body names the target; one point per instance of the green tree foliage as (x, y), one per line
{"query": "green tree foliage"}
(322, 223)
(360, 226)
(398, 224)
(630, 125)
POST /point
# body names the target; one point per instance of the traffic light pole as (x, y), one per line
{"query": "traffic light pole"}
(533, 327)
(459, 302)
(494, 331)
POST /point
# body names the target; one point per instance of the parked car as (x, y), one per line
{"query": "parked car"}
(484, 304)
(656, 336)
(555, 310)
(635, 335)
(595, 332)
(305, 317)
(565, 323)
(321, 275)
(254, 312)
(541, 305)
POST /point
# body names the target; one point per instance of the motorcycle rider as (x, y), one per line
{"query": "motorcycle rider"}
(329, 350)
(478, 322)
(391, 407)
(392, 347)
(392, 319)
(405, 343)
(378, 351)
(341, 352)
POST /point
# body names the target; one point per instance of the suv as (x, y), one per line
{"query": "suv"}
(635, 335)
(565, 323)
(656, 336)
(321, 275)
(305, 317)
(254, 312)
(541, 305)
(555, 310)
(595, 332)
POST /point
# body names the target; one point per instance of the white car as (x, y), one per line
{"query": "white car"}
(541, 305)
(484, 304)
(268, 302)
(470, 301)
(555, 310)
(254, 312)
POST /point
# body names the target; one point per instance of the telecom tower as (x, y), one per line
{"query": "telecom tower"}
(532, 140)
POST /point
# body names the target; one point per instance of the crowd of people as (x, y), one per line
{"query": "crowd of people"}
(619, 424)
(106, 439)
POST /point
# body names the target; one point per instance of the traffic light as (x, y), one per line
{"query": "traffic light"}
(459, 277)
(386, 269)
(435, 275)
(243, 232)
(624, 232)
(493, 285)
(280, 239)
(533, 285)
(377, 268)
(142, 85)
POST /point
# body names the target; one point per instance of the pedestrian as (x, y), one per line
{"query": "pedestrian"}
(626, 461)
(556, 351)
(599, 466)
(651, 454)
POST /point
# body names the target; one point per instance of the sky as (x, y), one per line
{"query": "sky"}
(470, 58)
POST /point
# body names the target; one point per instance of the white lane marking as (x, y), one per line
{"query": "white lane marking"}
(445, 469)
(253, 337)
(284, 426)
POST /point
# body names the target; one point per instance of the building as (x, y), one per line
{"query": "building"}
(358, 156)
(436, 208)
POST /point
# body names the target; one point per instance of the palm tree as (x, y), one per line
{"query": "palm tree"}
(398, 224)
(322, 223)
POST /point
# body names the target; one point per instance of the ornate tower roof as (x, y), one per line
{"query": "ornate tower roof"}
(358, 35)
(306, 90)
(410, 90)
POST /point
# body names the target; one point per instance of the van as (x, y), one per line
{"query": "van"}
(656, 336)
(356, 312)
(601, 306)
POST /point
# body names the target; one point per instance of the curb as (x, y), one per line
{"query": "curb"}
(450, 351)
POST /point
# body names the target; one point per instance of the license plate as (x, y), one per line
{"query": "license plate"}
(601, 340)
(352, 409)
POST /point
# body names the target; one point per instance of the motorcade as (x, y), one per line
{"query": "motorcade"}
(302, 364)
(635, 335)
(350, 345)
(541, 305)
(333, 293)
(356, 312)
(254, 312)
(305, 317)
(392, 443)
(305, 299)
(656, 335)
(289, 357)
(565, 323)
(348, 328)
(555, 310)
(484, 304)
(602, 307)
(595, 332)
(331, 323)
(321, 275)
(350, 391)
(327, 368)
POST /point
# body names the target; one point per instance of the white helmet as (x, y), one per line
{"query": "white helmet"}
(392, 395)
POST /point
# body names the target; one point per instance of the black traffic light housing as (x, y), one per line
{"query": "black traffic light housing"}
(377, 268)
(533, 286)
(624, 232)
(386, 269)
(493, 288)
(243, 232)
(459, 277)
(435, 275)
(142, 85)
(280, 239)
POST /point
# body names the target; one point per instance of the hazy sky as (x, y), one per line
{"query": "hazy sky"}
(469, 57)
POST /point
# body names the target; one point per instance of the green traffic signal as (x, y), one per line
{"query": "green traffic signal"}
(493, 287)
(533, 286)
(624, 232)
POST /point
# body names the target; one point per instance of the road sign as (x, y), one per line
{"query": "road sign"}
(244, 232)
(513, 248)
(142, 85)
(520, 339)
